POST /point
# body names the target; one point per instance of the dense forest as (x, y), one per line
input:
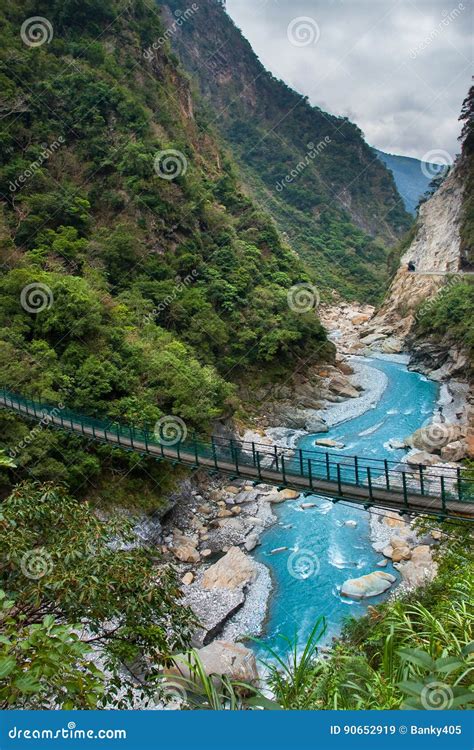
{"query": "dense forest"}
(140, 277)
(325, 187)
(167, 285)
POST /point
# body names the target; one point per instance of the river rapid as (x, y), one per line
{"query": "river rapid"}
(324, 545)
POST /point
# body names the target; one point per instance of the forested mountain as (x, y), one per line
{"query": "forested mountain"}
(412, 176)
(314, 172)
(137, 279)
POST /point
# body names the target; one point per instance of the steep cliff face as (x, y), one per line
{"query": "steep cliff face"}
(329, 193)
(435, 252)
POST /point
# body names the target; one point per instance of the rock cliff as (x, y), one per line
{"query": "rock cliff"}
(435, 251)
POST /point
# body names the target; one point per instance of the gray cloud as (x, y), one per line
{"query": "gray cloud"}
(400, 69)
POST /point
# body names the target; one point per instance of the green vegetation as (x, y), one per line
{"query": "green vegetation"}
(467, 221)
(414, 652)
(391, 658)
(132, 296)
(61, 565)
(149, 296)
(44, 664)
(325, 187)
(208, 692)
(450, 316)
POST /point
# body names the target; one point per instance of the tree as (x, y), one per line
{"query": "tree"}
(60, 561)
(467, 118)
(44, 665)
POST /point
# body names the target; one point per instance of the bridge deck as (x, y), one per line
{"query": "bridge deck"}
(252, 467)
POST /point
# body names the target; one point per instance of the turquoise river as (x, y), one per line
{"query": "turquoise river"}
(322, 550)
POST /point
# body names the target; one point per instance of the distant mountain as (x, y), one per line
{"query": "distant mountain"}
(411, 181)
(333, 200)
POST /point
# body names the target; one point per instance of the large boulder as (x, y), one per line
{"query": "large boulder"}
(392, 345)
(185, 551)
(344, 367)
(420, 569)
(340, 385)
(371, 584)
(221, 658)
(313, 423)
(434, 437)
(372, 338)
(251, 542)
(402, 552)
(282, 495)
(294, 418)
(232, 571)
(455, 451)
(422, 457)
(328, 443)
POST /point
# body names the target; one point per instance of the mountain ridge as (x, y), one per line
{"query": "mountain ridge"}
(342, 210)
(412, 176)
(137, 280)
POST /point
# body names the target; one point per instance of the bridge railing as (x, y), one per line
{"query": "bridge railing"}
(315, 466)
(369, 472)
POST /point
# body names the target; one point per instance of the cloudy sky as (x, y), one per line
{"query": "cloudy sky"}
(400, 69)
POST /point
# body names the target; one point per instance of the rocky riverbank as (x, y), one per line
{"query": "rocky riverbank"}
(210, 533)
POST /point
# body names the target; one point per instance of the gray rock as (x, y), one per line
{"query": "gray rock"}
(422, 457)
(313, 423)
(369, 585)
(328, 443)
(396, 444)
(222, 658)
(212, 609)
(251, 542)
(434, 437)
(232, 571)
(372, 338)
(392, 345)
(455, 451)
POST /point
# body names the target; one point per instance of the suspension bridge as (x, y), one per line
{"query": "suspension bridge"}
(445, 492)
